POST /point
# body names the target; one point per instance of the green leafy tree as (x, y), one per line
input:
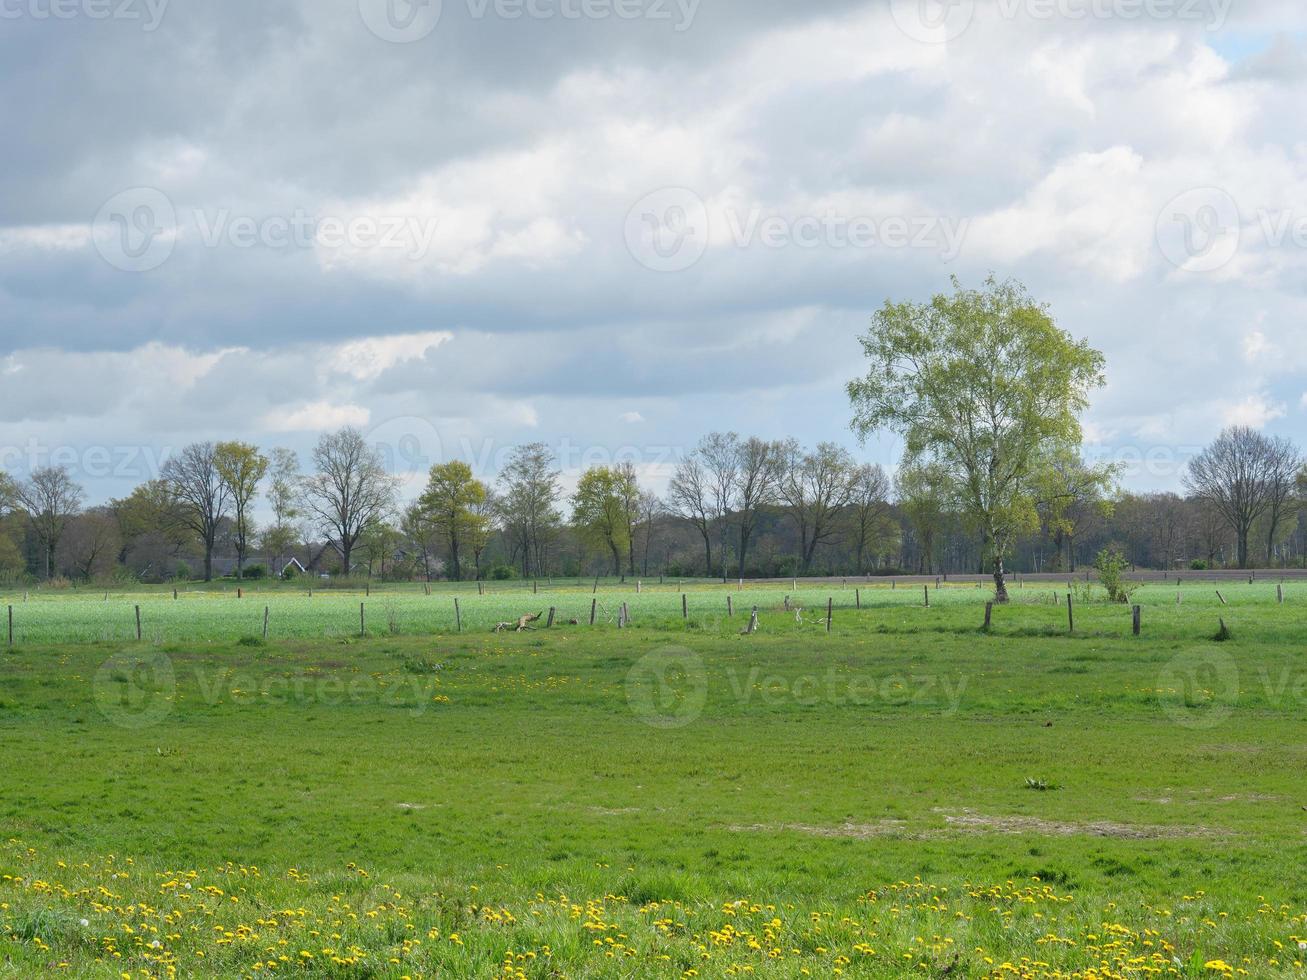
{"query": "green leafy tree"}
(985, 384)
(1070, 494)
(452, 504)
(242, 468)
(599, 511)
(924, 494)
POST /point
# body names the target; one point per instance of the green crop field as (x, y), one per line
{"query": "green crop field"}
(903, 794)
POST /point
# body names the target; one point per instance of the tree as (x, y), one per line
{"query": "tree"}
(284, 498)
(421, 536)
(720, 455)
(688, 496)
(8, 493)
(869, 508)
(349, 491)
(529, 504)
(1234, 476)
(242, 468)
(628, 487)
(151, 527)
(479, 532)
(451, 504)
(651, 508)
(599, 511)
(1281, 485)
(984, 383)
(758, 468)
(814, 488)
(1068, 492)
(923, 492)
(202, 493)
(50, 498)
(90, 545)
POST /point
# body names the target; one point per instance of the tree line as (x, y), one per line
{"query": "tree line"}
(982, 386)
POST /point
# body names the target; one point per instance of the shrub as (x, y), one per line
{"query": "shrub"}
(1111, 565)
(502, 573)
(254, 571)
(1198, 565)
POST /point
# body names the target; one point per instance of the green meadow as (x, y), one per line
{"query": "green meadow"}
(895, 793)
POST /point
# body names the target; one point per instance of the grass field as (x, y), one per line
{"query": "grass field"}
(903, 796)
(293, 613)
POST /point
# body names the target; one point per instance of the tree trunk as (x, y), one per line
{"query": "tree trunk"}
(454, 559)
(617, 559)
(1000, 582)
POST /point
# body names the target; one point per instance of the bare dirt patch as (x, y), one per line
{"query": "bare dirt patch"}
(979, 823)
(857, 831)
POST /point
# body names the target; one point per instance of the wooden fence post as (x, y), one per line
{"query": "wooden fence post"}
(730, 608)
(458, 615)
(265, 622)
(857, 598)
(926, 590)
(138, 622)
(593, 604)
(1070, 615)
(989, 611)
(551, 618)
(685, 607)
(1135, 613)
(1221, 597)
(1279, 594)
(830, 610)
(535, 587)
(240, 594)
(362, 622)
(11, 625)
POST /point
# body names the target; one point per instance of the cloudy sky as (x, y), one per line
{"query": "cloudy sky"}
(611, 225)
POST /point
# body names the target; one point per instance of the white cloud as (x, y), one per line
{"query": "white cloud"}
(1254, 410)
(319, 416)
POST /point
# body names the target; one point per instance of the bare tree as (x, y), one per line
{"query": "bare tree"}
(202, 493)
(815, 487)
(869, 507)
(1234, 476)
(758, 466)
(720, 454)
(650, 508)
(90, 545)
(350, 490)
(1281, 486)
(50, 498)
(689, 498)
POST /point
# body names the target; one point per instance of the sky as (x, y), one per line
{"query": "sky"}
(615, 225)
